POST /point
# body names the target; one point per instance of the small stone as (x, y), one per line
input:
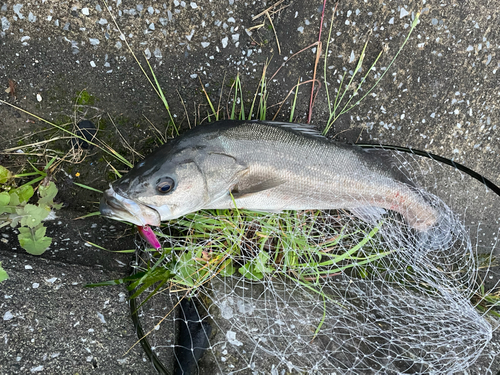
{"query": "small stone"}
(8, 316)
(85, 11)
(17, 10)
(5, 24)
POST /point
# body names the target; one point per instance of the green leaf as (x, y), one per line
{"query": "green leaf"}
(4, 198)
(261, 263)
(257, 267)
(4, 201)
(117, 281)
(3, 274)
(47, 194)
(39, 232)
(14, 198)
(14, 220)
(186, 268)
(24, 193)
(248, 271)
(4, 175)
(32, 215)
(227, 268)
(33, 241)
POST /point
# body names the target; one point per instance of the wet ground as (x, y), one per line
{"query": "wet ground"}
(65, 61)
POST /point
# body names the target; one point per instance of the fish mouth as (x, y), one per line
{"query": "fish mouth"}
(118, 207)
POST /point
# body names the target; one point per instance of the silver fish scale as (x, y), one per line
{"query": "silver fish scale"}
(266, 166)
(315, 173)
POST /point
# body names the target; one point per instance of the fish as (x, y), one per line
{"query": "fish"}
(263, 166)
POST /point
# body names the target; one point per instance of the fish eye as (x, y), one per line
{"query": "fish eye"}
(165, 185)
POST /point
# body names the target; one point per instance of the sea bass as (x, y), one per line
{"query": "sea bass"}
(264, 166)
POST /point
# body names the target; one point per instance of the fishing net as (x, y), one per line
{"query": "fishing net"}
(325, 292)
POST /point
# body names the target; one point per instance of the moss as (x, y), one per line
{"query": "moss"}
(102, 124)
(62, 120)
(84, 98)
(111, 176)
(122, 120)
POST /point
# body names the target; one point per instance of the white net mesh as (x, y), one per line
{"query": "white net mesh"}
(323, 292)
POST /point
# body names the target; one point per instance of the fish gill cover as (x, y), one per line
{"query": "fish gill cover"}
(323, 292)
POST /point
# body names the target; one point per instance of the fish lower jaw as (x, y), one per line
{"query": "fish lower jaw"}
(137, 214)
(134, 220)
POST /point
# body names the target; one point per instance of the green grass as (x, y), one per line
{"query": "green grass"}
(343, 101)
(255, 246)
(283, 245)
(292, 254)
(216, 243)
(258, 245)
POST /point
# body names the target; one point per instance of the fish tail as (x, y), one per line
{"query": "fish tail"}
(441, 227)
(433, 223)
(446, 230)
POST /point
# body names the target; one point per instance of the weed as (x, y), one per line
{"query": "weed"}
(212, 239)
(15, 209)
(84, 98)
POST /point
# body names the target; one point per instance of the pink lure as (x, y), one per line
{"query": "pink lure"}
(150, 236)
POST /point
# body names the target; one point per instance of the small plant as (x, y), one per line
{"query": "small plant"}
(15, 209)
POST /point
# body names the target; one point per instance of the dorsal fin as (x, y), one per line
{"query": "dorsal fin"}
(305, 129)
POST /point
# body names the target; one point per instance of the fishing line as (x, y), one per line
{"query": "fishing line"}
(438, 158)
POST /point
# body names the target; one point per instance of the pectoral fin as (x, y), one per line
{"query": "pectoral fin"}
(257, 188)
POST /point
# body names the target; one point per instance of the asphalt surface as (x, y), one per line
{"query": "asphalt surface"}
(441, 95)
